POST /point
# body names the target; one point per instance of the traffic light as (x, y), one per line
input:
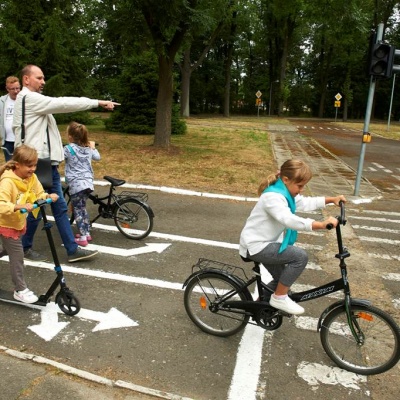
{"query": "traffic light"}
(381, 60)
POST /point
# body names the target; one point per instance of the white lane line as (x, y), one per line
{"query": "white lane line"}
(207, 242)
(391, 277)
(384, 256)
(177, 191)
(376, 229)
(394, 221)
(246, 375)
(378, 165)
(357, 211)
(379, 240)
(109, 275)
(396, 303)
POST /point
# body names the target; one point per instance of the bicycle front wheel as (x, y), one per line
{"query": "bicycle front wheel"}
(378, 349)
(204, 303)
(133, 219)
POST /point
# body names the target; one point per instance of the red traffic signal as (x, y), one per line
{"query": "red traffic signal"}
(381, 60)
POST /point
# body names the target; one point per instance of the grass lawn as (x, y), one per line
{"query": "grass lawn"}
(217, 155)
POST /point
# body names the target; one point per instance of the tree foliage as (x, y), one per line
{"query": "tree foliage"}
(298, 53)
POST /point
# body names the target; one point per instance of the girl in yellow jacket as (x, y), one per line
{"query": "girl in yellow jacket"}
(19, 188)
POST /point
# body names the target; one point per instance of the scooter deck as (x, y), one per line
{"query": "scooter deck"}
(8, 297)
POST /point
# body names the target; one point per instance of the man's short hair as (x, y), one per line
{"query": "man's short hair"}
(11, 79)
(26, 71)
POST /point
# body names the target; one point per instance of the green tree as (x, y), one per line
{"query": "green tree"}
(50, 34)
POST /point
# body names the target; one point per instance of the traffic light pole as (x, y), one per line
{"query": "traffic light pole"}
(379, 36)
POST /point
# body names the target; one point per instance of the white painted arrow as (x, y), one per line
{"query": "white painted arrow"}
(110, 320)
(149, 248)
(49, 326)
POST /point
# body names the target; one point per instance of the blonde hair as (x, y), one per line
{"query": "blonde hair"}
(11, 79)
(78, 133)
(23, 154)
(295, 170)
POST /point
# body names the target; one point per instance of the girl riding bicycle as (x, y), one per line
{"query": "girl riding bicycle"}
(271, 229)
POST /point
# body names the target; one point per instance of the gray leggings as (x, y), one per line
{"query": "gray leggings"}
(285, 267)
(15, 253)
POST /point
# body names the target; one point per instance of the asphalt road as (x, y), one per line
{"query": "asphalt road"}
(150, 341)
(381, 164)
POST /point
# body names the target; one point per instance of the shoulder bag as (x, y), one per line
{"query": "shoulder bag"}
(43, 169)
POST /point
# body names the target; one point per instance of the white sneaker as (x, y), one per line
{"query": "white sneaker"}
(287, 305)
(26, 296)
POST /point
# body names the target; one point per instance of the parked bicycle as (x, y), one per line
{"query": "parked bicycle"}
(357, 336)
(131, 214)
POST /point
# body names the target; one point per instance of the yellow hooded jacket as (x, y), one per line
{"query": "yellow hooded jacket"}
(15, 190)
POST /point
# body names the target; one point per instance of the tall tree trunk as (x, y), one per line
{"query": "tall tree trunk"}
(324, 68)
(164, 103)
(321, 103)
(227, 89)
(345, 109)
(228, 64)
(187, 67)
(186, 73)
(282, 74)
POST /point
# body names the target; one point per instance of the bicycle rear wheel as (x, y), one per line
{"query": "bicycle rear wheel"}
(379, 350)
(133, 219)
(204, 304)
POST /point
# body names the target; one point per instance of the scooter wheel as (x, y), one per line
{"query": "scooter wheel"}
(68, 303)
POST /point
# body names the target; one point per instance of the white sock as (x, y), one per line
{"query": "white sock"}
(280, 297)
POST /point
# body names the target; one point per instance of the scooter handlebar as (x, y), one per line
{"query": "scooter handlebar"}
(38, 203)
(341, 218)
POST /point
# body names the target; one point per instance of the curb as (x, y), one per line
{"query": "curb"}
(92, 377)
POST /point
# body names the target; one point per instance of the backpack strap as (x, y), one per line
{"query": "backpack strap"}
(71, 150)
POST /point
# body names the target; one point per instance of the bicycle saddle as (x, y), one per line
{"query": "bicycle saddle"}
(114, 181)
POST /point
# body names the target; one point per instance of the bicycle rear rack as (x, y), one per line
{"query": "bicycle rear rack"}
(204, 264)
(140, 196)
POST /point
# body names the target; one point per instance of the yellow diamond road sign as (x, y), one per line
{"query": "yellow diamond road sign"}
(258, 94)
(338, 96)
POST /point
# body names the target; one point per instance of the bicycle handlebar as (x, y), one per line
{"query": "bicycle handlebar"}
(39, 203)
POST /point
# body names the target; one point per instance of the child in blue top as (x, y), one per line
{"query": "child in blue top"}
(78, 155)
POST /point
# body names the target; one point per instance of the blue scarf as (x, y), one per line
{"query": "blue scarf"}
(290, 234)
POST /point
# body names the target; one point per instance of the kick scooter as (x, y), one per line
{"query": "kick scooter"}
(65, 298)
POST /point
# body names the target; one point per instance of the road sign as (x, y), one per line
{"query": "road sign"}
(258, 102)
(338, 96)
(258, 94)
(337, 103)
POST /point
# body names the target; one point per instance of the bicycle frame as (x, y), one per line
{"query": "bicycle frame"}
(250, 307)
(100, 200)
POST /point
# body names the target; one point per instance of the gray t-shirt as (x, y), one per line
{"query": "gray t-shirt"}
(78, 167)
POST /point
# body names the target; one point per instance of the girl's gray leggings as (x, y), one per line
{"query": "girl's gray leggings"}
(285, 267)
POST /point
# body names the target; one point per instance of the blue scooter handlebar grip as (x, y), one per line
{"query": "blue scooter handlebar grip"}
(42, 203)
